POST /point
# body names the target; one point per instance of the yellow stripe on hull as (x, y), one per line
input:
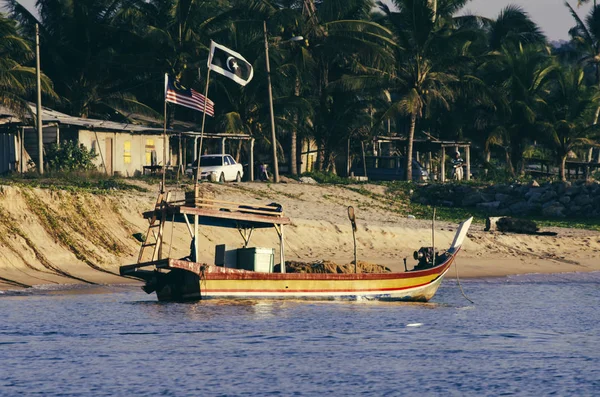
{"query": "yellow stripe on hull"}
(420, 288)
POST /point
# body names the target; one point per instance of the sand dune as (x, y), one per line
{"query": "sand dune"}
(60, 237)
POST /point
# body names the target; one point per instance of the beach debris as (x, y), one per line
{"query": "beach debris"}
(514, 225)
(308, 179)
(411, 217)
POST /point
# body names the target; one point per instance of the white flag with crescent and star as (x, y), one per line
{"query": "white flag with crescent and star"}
(230, 64)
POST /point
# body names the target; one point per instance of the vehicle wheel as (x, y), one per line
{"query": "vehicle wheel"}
(222, 177)
(238, 178)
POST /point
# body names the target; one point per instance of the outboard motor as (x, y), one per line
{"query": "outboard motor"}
(425, 257)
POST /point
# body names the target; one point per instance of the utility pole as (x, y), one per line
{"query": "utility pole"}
(39, 101)
(273, 136)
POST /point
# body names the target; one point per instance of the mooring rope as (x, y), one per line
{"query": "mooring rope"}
(460, 286)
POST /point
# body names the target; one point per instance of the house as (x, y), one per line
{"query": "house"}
(123, 149)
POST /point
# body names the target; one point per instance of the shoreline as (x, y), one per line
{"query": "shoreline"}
(62, 238)
(101, 288)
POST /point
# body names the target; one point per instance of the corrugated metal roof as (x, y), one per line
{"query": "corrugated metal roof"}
(53, 116)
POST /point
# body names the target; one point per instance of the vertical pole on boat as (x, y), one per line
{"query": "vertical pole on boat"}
(281, 250)
(352, 218)
(433, 236)
(196, 253)
(202, 130)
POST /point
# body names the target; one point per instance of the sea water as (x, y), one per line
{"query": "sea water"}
(526, 335)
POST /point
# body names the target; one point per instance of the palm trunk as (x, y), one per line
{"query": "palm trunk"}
(294, 135)
(561, 168)
(320, 161)
(509, 165)
(488, 157)
(409, 144)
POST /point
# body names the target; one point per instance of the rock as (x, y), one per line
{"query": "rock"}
(573, 191)
(582, 200)
(555, 211)
(550, 204)
(565, 200)
(534, 198)
(561, 187)
(308, 179)
(502, 197)
(472, 199)
(548, 195)
(519, 208)
(492, 205)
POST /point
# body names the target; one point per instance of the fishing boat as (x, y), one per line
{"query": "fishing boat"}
(252, 277)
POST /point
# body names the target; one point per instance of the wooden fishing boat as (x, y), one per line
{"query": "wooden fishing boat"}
(186, 279)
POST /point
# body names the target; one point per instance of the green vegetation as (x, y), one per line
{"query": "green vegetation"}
(69, 157)
(362, 68)
(90, 181)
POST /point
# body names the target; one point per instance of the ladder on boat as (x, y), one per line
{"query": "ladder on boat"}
(154, 237)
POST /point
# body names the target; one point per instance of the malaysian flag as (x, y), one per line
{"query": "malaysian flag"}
(178, 94)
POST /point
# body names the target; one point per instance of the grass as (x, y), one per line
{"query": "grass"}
(90, 182)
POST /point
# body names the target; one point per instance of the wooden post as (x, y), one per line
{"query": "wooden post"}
(429, 164)
(252, 160)
(443, 165)
(281, 250)
(364, 158)
(57, 134)
(468, 160)
(196, 246)
(22, 150)
(195, 148)
(348, 159)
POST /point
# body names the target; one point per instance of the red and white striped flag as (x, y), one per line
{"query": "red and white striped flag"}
(178, 94)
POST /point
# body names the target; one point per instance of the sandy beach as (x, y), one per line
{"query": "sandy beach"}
(60, 237)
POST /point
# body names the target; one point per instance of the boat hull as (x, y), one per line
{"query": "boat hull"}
(178, 280)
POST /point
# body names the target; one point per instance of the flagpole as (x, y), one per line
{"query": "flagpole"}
(164, 149)
(202, 130)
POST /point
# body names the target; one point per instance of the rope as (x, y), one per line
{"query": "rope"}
(458, 281)
(291, 249)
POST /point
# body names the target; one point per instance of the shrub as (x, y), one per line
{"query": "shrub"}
(69, 156)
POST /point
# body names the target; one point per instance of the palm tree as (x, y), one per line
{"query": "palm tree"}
(521, 75)
(585, 35)
(342, 39)
(571, 106)
(81, 52)
(17, 81)
(419, 80)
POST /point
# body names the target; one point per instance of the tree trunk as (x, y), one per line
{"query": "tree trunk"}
(409, 144)
(320, 161)
(488, 158)
(561, 168)
(509, 164)
(294, 135)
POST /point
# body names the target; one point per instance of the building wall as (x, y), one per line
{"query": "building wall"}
(8, 153)
(124, 153)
